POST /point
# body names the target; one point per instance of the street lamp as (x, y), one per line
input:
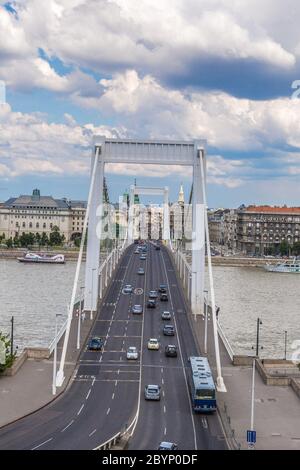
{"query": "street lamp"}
(92, 299)
(259, 322)
(285, 344)
(79, 317)
(55, 356)
(205, 327)
(251, 445)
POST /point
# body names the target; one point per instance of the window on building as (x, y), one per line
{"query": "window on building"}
(37, 225)
(44, 225)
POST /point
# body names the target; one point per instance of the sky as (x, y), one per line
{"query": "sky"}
(227, 71)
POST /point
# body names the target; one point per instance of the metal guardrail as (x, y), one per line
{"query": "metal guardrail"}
(110, 442)
(229, 431)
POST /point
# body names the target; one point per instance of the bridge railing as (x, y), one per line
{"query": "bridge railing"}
(183, 267)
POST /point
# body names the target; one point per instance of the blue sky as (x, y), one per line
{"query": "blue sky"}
(217, 69)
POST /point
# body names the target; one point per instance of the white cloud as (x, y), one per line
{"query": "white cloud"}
(158, 38)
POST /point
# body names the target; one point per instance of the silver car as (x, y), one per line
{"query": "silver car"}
(132, 353)
(152, 392)
(166, 315)
(137, 309)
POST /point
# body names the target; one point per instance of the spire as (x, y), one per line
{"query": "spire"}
(181, 195)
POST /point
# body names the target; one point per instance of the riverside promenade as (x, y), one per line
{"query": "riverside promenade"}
(276, 408)
(31, 387)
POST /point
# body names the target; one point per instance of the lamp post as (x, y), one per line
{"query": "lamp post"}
(12, 337)
(55, 356)
(92, 293)
(259, 322)
(285, 344)
(79, 318)
(205, 327)
(250, 445)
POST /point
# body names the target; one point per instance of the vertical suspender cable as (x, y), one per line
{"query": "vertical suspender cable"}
(220, 382)
(60, 374)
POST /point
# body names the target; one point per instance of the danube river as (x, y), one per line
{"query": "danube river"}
(33, 293)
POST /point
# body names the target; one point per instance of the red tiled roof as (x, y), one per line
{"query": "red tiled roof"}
(273, 210)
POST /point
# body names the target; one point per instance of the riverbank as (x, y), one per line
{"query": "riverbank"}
(18, 252)
(72, 254)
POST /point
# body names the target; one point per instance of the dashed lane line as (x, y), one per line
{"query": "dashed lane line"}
(68, 425)
(80, 409)
(88, 394)
(43, 443)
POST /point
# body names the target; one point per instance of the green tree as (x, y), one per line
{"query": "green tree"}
(55, 237)
(296, 249)
(284, 248)
(44, 239)
(5, 344)
(9, 242)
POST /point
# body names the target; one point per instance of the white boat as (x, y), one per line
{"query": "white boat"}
(36, 258)
(288, 266)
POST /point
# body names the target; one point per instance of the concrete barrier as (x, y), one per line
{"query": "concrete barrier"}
(295, 384)
(19, 361)
(240, 360)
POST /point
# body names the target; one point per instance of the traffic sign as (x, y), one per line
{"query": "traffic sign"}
(251, 437)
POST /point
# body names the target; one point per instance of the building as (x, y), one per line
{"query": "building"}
(261, 229)
(39, 214)
(216, 226)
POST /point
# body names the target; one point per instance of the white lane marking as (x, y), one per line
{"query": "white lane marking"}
(181, 356)
(88, 394)
(100, 360)
(165, 431)
(93, 381)
(116, 383)
(80, 410)
(45, 442)
(204, 422)
(163, 393)
(93, 432)
(71, 422)
(108, 411)
(162, 370)
(113, 396)
(164, 408)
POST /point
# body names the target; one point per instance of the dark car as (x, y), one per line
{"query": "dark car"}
(162, 288)
(157, 247)
(164, 297)
(168, 446)
(151, 303)
(169, 330)
(96, 344)
(171, 350)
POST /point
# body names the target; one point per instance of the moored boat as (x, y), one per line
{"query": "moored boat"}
(36, 258)
(288, 266)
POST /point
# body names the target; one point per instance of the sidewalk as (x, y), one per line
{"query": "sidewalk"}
(276, 411)
(31, 387)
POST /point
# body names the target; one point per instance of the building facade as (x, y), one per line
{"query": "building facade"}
(261, 229)
(39, 214)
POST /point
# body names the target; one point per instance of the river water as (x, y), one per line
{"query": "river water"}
(33, 293)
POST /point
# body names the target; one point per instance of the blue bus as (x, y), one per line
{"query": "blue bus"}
(202, 386)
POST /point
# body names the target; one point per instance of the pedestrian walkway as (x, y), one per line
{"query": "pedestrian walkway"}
(31, 387)
(276, 411)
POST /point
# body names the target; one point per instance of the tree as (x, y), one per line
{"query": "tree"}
(284, 248)
(44, 239)
(296, 249)
(7, 359)
(55, 237)
(9, 242)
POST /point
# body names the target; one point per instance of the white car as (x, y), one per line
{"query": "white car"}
(128, 289)
(132, 353)
(153, 344)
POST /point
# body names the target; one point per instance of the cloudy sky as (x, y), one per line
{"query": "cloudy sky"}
(221, 70)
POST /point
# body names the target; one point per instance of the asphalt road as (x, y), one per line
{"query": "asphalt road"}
(105, 392)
